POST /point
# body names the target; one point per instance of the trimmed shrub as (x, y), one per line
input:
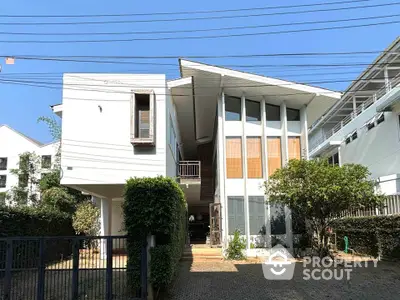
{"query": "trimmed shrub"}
(375, 235)
(236, 247)
(154, 206)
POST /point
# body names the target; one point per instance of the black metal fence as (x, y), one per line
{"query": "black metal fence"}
(76, 267)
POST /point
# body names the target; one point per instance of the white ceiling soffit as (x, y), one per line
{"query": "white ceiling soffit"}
(179, 82)
(208, 80)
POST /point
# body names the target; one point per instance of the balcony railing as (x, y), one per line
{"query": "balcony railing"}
(367, 103)
(189, 169)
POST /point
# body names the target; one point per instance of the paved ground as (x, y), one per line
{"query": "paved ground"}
(230, 280)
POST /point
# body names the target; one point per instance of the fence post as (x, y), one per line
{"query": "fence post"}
(75, 268)
(8, 274)
(41, 270)
(109, 271)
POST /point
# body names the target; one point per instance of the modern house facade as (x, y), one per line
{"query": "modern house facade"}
(364, 126)
(219, 132)
(14, 143)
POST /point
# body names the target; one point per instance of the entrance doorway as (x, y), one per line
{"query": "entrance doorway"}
(199, 222)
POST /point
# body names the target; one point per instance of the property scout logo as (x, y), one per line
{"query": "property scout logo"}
(280, 265)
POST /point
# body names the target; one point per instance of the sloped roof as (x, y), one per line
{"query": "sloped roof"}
(36, 142)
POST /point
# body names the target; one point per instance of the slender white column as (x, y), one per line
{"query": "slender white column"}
(244, 164)
(265, 171)
(304, 133)
(105, 224)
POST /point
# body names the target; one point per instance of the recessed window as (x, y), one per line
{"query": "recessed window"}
(233, 109)
(274, 154)
(294, 147)
(236, 214)
(292, 114)
(254, 160)
(273, 112)
(234, 167)
(380, 119)
(336, 158)
(354, 135)
(46, 161)
(256, 214)
(142, 123)
(3, 163)
(253, 113)
(3, 181)
(370, 125)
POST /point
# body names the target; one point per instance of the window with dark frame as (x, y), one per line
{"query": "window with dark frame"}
(253, 112)
(3, 163)
(292, 114)
(3, 181)
(380, 119)
(273, 112)
(354, 135)
(142, 116)
(233, 109)
(336, 158)
(348, 140)
(370, 125)
(46, 161)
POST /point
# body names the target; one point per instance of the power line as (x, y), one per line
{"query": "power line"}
(202, 18)
(184, 12)
(198, 37)
(197, 30)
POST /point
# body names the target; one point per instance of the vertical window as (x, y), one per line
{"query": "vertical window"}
(3, 181)
(142, 116)
(234, 167)
(254, 160)
(253, 112)
(236, 214)
(278, 223)
(273, 112)
(233, 109)
(336, 158)
(294, 147)
(3, 163)
(274, 154)
(256, 214)
(46, 161)
(292, 114)
(172, 139)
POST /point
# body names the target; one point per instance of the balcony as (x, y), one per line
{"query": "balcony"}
(189, 170)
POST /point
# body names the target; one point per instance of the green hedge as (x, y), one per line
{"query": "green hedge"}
(377, 235)
(28, 221)
(154, 206)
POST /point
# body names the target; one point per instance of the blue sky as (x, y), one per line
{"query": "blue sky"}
(21, 105)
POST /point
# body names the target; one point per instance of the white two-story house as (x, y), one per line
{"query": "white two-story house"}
(364, 126)
(14, 143)
(220, 132)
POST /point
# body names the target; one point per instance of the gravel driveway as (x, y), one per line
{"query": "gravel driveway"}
(232, 280)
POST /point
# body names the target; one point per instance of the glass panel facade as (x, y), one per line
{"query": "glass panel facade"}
(233, 109)
(273, 112)
(253, 111)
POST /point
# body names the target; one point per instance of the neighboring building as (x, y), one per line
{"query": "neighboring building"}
(220, 132)
(364, 126)
(12, 144)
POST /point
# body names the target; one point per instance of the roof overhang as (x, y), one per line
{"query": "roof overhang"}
(325, 148)
(57, 109)
(387, 102)
(209, 81)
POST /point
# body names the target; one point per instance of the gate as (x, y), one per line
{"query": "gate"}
(77, 267)
(215, 224)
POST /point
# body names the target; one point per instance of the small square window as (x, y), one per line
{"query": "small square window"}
(348, 140)
(293, 114)
(233, 109)
(46, 161)
(253, 113)
(380, 119)
(3, 163)
(3, 181)
(273, 112)
(370, 125)
(354, 135)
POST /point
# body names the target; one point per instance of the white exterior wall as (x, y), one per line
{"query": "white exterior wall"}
(12, 144)
(96, 145)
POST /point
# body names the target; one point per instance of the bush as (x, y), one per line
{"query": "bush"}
(154, 206)
(376, 235)
(86, 219)
(57, 198)
(236, 246)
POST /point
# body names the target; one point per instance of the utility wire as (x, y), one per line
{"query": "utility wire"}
(184, 12)
(196, 30)
(208, 18)
(198, 37)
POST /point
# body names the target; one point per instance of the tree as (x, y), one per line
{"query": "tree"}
(28, 179)
(59, 199)
(55, 131)
(321, 192)
(86, 219)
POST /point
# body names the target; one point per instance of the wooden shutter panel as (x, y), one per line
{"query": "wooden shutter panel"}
(234, 166)
(294, 147)
(254, 160)
(274, 154)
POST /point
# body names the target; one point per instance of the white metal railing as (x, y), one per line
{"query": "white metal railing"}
(391, 206)
(189, 169)
(372, 99)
